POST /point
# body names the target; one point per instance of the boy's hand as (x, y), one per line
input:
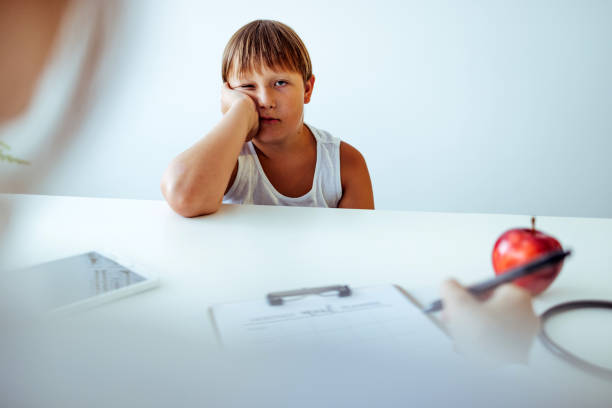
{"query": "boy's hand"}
(232, 99)
(495, 331)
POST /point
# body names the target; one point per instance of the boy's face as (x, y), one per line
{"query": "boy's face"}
(279, 96)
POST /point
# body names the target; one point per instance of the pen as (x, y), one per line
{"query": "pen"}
(550, 258)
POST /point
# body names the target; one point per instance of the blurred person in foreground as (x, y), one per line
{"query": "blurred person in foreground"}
(50, 54)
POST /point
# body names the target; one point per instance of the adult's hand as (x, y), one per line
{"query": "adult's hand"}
(499, 330)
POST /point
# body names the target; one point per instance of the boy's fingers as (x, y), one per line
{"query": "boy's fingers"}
(454, 295)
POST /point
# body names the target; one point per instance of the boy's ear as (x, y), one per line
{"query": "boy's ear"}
(308, 86)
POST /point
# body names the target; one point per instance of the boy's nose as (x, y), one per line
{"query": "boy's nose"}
(265, 99)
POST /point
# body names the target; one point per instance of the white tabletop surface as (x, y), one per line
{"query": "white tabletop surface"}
(244, 252)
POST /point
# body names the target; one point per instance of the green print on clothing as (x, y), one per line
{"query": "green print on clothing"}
(7, 157)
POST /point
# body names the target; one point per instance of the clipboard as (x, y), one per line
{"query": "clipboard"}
(329, 316)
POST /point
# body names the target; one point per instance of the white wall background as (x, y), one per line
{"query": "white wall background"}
(471, 106)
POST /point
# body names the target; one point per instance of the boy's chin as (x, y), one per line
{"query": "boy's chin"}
(270, 136)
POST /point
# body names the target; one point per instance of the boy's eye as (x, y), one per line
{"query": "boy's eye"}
(247, 86)
(280, 83)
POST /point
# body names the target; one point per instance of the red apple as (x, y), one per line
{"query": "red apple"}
(518, 246)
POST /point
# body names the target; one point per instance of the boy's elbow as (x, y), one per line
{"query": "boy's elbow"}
(190, 212)
(185, 202)
(188, 207)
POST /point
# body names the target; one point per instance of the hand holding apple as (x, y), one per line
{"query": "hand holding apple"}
(518, 246)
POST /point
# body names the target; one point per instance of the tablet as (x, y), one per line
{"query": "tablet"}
(83, 281)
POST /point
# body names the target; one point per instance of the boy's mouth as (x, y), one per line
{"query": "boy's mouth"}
(263, 119)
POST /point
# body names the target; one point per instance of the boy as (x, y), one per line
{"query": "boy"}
(262, 152)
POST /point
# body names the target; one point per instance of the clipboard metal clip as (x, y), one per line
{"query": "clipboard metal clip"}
(278, 298)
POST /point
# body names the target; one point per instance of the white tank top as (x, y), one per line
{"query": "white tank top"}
(252, 186)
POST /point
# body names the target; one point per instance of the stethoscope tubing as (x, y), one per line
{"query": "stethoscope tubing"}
(563, 353)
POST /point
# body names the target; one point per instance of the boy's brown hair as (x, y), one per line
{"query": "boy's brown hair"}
(266, 42)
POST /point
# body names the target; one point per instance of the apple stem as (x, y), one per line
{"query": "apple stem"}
(533, 224)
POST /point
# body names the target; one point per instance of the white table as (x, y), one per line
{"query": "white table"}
(244, 252)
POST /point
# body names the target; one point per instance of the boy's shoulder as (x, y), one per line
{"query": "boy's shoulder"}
(355, 179)
(350, 157)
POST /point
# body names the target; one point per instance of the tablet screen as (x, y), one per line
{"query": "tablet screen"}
(69, 280)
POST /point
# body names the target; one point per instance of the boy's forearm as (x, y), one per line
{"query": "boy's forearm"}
(195, 181)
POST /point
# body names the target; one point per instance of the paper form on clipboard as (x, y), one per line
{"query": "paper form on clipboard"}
(370, 316)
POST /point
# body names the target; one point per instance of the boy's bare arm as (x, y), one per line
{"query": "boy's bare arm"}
(195, 181)
(356, 184)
